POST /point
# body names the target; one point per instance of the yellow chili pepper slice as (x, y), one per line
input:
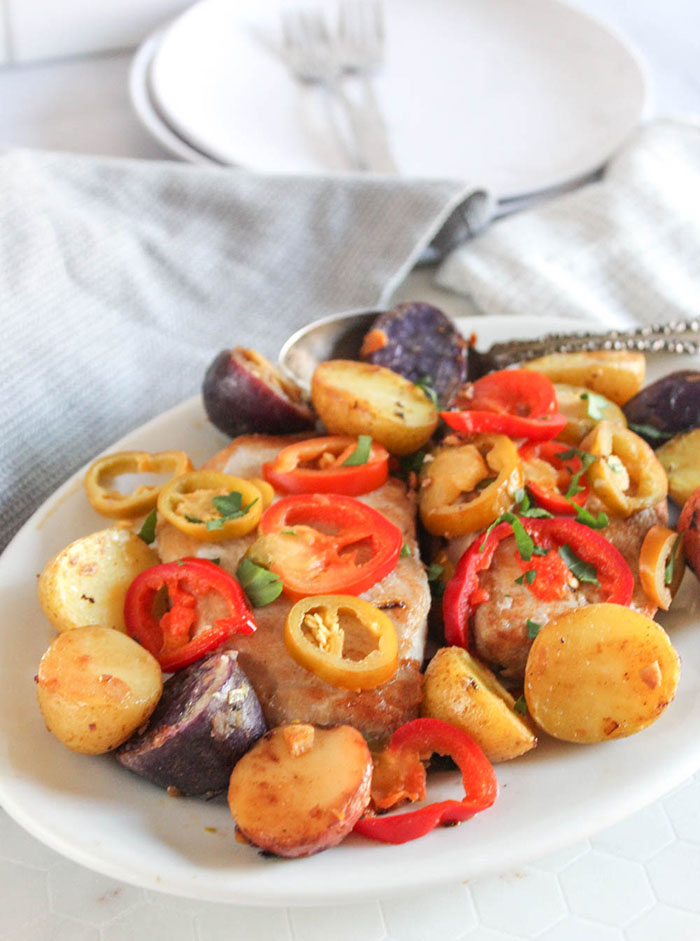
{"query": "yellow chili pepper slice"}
(661, 565)
(116, 505)
(450, 502)
(344, 640)
(211, 506)
(627, 476)
(267, 491)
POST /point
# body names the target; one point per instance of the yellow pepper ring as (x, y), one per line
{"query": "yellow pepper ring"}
(189, 502)
(456, 472)
(117, 505)
(634, 480)
(267, 491)
(322, 641)
(659, 543)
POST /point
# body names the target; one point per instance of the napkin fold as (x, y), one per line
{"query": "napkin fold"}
(622, 250)
(121, 279)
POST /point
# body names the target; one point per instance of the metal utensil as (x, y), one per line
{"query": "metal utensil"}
(340, 337)
(315, 55)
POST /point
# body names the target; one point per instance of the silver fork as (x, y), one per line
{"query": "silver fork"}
(312, 54)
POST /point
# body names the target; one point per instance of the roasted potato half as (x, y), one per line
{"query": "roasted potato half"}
(582, 413)
(460, 690)
(86, 582)
(616, 374)
(95, 687)
(301, 789)
(600, 672)
(680, 458)
(359, 398)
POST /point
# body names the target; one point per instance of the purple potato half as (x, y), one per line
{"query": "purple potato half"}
(667, 407)
(243, 393)
(207, 718)
(418, 341)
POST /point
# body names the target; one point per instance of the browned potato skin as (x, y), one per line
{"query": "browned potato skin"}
(86, 582)
(615, 374)
(600, 672)
(465, 693)
(95, 687)
(689, 525)
(376, 401)
(680, 458)
(298, 804)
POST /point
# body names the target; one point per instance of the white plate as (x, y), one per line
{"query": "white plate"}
(146, 111)
(516, 96)
(100, 815)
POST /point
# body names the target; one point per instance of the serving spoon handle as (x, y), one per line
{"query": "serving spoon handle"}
(682, 336)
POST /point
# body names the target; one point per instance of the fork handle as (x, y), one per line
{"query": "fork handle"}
(368, 129)
(681, 336)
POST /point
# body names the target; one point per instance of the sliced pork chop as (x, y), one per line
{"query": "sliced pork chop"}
(286, 690)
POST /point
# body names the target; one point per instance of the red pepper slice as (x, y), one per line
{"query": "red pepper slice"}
(516, 402)
(317, 466)
(549, 489)
(329, 544)
(425, 736)
(171, 638)
(463, 592)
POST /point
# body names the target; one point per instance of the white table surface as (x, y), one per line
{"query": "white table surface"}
(638, 880)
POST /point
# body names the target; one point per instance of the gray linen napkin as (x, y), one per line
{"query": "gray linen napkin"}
(622, 250)
(120, 280)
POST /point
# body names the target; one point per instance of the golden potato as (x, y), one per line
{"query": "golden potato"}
(301, 789)
(360, 399)
(86, 582)
(680, 458)
(616, 374)
(573, 403)
(460, 690)
(95, 687)
(600, 672)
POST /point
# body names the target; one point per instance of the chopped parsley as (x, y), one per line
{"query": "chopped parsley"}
(672, 558)
(597, 405)
(405, 551)
(650, 432)
(528, 577)
(583, 571)
(533, 629)
(230, 507)
(148, 528)
(426, 386)
(520, 705)
(260, 584)
(361, 453)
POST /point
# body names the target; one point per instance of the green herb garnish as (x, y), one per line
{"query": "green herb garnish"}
(426, 386)
(412, 463)
(671, 564)
(230, 508)
(193, 519)
(361, 453)
(528, 577)
(288, 532)
(148, 527)
(583, 571)
(260, 584)
(434, 571)
(405, 551)
(533, 629)
(648, 431)
(520, 705)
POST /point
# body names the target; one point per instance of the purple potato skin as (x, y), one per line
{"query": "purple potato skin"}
(239, 400)
(207, 718)
(418, 341)
(671, 405)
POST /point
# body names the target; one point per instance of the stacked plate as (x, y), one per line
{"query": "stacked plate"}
(526, 99)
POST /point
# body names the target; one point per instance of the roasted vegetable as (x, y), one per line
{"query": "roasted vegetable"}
(95, 687)
(244, 392)
(419, 342)
(86, 582)
(666, 407)
(616, 374)
(460, 690)
(358, 398)
(600, 672)
(680, 458)
(661, 565)
(301, 789)
(583, 409)
(206, 719)
(689, 526)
